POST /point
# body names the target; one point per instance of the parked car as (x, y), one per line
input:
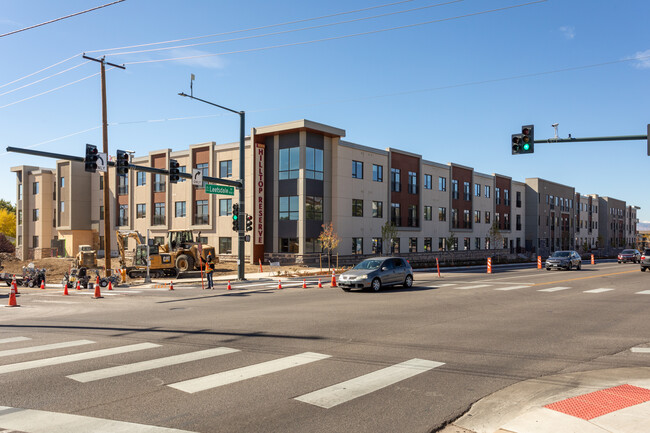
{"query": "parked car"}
(633, 256)
(565, 260)
(376, 273)
(645, 260)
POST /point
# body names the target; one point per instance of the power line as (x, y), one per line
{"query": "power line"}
(42, 79)
(39, 71)
(286, 31)
(62, 18)
(340, 37)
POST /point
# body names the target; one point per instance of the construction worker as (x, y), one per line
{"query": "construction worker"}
(209, 269)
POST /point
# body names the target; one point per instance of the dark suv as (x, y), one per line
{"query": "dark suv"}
(645, 260)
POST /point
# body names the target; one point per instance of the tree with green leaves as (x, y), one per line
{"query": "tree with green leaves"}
(4, 204)
(451, 241)
(329, 240)
(388, 234)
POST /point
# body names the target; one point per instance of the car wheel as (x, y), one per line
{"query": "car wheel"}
(642, 269)
(376, 284)
(408, 282)
(103, 283)
(548, 269)
(579, 266)
(619, 262)
(569, 266)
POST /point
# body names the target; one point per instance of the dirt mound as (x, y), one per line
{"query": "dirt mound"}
(54, 267)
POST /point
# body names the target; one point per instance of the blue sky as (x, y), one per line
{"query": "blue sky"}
(452, 90)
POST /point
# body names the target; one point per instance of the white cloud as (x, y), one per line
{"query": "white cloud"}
(202, 59)
(643, 59)
(568, 31)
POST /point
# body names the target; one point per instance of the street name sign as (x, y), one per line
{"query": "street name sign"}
(220, 189)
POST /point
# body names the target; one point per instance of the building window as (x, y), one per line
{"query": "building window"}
(101, 213)
(141, 178)
(141, 210)
(477, 189)
(357, 246)
(204, 171)
(377, 246)
(428, 213)
(314, 208)
(442, 214)
(442, 184)
(62, 207)
(158, 183)
(428, 245)
(427, 181)
(357, 169)
(506, 197)
(518, 198)
(35, 214)
(466, 191)
(289, 163)
(35, 241)
(122, 185)
(20, 191)
(413, 183)
(225, 207)
(123, 215)
(506, 221)
(377, 173)
(467, 219)
(396, 214)
(413, 245)
(182, 169)
(519, 222)
(20, 217)
(477, 216)
(158, 214)
(179, 209)
(201, 216)
(289, 208)
(159, 240)
(497, 219)
(101, 182)
(454, 218)
(395, 247)
(497, 194)
(477, 243)
(487, 191)
(454, 189)
(62, 182)
(377, 209)
(395, 180)
(225, 169)
(357, 207)
(313, 245)
(314, 164)
(487, 217)
(413, 220)
(441, 244)
(225, 245)
(289, 245)
(35, 188)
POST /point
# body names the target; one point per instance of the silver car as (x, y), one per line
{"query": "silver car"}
(564, 260)
(377, 273)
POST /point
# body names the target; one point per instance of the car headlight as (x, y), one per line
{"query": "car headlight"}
(362, 277)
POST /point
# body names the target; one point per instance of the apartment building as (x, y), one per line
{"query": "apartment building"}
(299, 176)
(586, 224)
(617, 222)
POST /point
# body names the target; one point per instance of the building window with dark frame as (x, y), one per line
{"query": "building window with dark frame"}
(442, 183)
(466, 191)
(467, 219)
(122, 184)
(396, 214)
(182, 169)
(467, 243)
(477, 216)
(413, 245)
(225, 245)
(180, 211)
(35, 214)
(19, 217)
(497, 195)
(487, 217)
(377, 209)
(377, 246)
(123, 215)
(158, 183)
(225, 169)
(314, 163)
(357, 246)
(225, 207)
(506, 197)
(395, 247)
(454, 189)
(506, 221)
(377, 173)
(413, 220)
(477, 243)
(314, 208)
(289, 163)
(428, 245)
(101, 182)
(158, 214)
(442, 214)
(357, 169)
(487, 191)
(140, 178)
(201, 217)
(428, 181)
(518, 198)
(413, 183)
(357, 207)
(441, 244)
(313, 245)
(428, 213)
(141, 210)
(395, 180)
(518, 227)
(289, 245)
(35, 242)
(454, 219)
(35, 188)
(477, 189)
(101, 213)
(289, 208)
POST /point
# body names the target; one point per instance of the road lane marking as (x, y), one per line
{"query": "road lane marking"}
(54, 346)
(28, 365)
(514, 287)
(227, 377)
(640, 349)
(597, 290)
(554, 289)
(39, 421)
(362, 385)
(472, 287)
(645, 292)
(583, 278)
(13, 339)
(122, 370)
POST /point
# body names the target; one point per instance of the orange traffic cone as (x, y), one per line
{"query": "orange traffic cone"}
(97, 281)
(333, 279)
(320, 286)
(14, 285)
(304, 283)
(78, 285)
(12, 300)
(229, 286)
(43, 285)
(110, 285)
(65, 289)
(279, 284)
(97, 294)
(171, 285)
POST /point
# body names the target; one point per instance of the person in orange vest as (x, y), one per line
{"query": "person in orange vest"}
(209, 269)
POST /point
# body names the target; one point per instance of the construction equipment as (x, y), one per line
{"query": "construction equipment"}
(86, 257)
(189, 254)
(160, 264)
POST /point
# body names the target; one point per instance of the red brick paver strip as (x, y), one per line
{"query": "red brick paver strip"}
(599, 403)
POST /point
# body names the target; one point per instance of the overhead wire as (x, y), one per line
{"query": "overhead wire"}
(40, 70)
(43, 79)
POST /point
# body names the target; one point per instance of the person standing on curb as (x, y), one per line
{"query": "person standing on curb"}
(209, 269)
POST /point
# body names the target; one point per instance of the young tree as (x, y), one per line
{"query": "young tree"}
(8, 223)
(329, 240)
(451, 241)
(388, 233)
(495, 235)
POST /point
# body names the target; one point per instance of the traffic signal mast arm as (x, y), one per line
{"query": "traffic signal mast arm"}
(576, 140)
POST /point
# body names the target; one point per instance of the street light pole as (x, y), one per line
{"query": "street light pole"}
(241, 232)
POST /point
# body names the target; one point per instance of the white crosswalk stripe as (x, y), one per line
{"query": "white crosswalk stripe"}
(644, 292)
(28, 365)
(597, 290)
(472, 287)
(54, 346)
(13, 339)
(554, 289)
(513, 287)
(232, 376)
(121, 370)
(360, 386)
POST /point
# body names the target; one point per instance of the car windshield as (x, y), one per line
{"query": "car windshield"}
(628, 252)
(561, 254)
(368, 264)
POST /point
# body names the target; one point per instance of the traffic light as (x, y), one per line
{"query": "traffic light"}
(235, 217)
(122, 162)
(174, 171)
(249, 222)
(91, 158)
(524, 142)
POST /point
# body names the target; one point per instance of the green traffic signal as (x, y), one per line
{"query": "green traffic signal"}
(234, 217)
(526, 146)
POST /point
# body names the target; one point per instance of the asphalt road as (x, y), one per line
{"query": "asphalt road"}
(310, 360)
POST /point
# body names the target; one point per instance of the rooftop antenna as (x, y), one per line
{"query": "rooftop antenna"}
(192, 77)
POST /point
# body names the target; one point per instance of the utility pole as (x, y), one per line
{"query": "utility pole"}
(107, 209)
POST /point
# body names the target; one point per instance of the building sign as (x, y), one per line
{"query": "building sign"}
(258, 218)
